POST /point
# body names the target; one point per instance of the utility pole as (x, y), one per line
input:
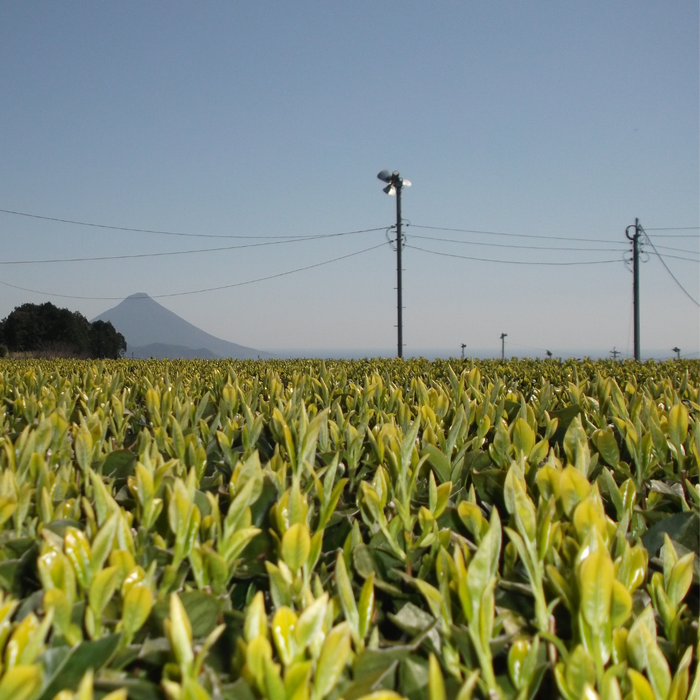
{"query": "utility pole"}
(395, 184)
(635, 283)
(677, 350)
(614, 352)
(503, 345)
(463, 346)
(399, 284)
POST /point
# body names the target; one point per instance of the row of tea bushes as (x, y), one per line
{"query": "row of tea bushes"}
(361, 530)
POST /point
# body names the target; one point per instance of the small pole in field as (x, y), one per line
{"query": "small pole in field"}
(503, 345)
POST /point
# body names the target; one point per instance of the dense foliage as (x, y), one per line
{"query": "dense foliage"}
(45, 327)
(361, 530)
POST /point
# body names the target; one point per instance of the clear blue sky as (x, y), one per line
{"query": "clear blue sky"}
(272, 119)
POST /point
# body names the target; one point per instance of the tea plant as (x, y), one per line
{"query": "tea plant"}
(372, 530)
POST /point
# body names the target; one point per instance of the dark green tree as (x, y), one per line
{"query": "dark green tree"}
(45, 327)
(105, 341)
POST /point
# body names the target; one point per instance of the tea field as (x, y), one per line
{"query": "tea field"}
(366, 530)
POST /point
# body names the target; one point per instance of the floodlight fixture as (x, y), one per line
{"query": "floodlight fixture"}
(395, 183)
(394, 180)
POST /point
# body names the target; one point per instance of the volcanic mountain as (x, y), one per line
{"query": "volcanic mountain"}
(151, 330)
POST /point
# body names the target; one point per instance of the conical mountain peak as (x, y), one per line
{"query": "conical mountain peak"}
(147, 325)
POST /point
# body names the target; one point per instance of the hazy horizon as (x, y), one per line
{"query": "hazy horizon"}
(476, 353)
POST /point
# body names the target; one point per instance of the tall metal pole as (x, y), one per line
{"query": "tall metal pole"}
(394, 187)
(635, 285)
(503, 345)
(399, 242)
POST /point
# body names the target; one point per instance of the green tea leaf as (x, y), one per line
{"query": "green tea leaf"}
(596, 575)
(331, 663)
(296, 546)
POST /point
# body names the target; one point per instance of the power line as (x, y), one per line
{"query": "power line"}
(677, 235)
(534, 247)
(171, 233)
(685, 291)
(676, 257)
(513, 262)
(176, 252)
(675, 228)
(208, 289)
(549, 238)
(524, 247)
(515, 235)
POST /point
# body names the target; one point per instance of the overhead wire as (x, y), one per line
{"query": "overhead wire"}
(668, 269)
(275, 240)
(674, 228)
(514, 235)
(201, 291)
(306, 239)
(183, 252)
(520, 247)
(513, 262)
(169, 233)
(620, 249)
(677, 235)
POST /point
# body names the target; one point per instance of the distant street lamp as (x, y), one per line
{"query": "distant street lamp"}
(678, 353)
(503, 345)
(464, 345)
(395, 183)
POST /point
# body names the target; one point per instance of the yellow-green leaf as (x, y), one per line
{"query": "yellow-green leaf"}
(310, 621)
(296, 546)
(596, 575)
(283, 633)
(77, 549)
(20, 682)
(102, 588)
(331, 663)
(436, 683)
(180, 633)
(678, 424)
(256, 618)
(138, 603)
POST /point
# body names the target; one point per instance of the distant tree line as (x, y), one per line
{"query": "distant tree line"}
(46, 328)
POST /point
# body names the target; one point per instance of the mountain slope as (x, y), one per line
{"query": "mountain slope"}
(144, 322)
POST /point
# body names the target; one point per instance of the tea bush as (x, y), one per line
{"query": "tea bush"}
(371, 530)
